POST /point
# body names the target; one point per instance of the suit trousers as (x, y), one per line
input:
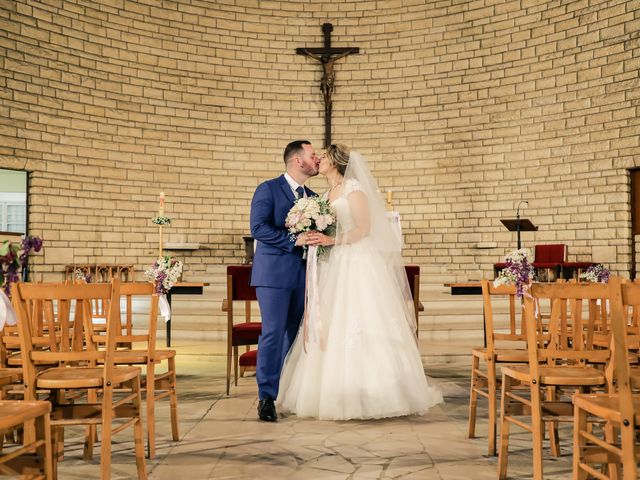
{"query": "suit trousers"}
(281, 310)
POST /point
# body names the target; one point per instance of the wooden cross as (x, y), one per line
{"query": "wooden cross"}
(327, 56)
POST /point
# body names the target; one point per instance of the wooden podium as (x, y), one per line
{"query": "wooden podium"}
(519, 225)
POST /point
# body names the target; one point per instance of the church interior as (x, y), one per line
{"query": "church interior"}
(136, 130)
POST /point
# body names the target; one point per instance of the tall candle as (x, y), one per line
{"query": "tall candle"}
(389, 197)
(161, 209)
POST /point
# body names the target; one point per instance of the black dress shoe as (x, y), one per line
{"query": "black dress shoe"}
(267, 410)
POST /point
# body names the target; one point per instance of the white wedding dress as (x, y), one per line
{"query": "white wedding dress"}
(365, 363)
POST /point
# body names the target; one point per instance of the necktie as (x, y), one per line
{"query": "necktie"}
(300, 192)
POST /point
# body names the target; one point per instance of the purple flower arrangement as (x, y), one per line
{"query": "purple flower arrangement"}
(596, 273)
(518, 271)
(164, 273)
(14, 257)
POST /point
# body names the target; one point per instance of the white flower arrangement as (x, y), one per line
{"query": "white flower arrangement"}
(161, 220)
(164, 274)
(311, 213)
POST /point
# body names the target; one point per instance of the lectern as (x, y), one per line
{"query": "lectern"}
(519, 225)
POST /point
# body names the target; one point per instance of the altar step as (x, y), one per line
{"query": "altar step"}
(445, 318)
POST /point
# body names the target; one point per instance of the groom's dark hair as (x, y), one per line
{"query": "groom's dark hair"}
(294, 148)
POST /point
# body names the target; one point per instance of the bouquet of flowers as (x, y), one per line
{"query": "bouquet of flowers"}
(596, 273)
(518, 271)
(14, 257)
(164, 273)
(311, 213)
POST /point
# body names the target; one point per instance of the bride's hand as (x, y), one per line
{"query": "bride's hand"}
(302, 239)
(317, 238)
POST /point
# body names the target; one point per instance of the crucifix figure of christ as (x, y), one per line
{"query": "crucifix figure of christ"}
(327, 56)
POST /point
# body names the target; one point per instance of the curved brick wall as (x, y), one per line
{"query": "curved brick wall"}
(462, 109)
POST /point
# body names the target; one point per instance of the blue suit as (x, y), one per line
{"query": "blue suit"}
(278, 274)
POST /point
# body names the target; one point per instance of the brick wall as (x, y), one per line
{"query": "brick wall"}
(462, 108)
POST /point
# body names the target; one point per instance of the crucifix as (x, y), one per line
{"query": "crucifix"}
(327, 56)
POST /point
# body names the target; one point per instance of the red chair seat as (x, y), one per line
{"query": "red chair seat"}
(249, 359)
(246, 333)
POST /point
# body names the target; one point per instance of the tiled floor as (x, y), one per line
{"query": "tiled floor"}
(222, 439)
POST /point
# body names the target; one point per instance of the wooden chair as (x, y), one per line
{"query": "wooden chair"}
(619, 408)
(140, 349)
(34, 458)
(502, 348)
(413, 277)
(78, 369)
(557, 363)
(246, 333)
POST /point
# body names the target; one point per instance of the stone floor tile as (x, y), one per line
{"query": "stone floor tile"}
(221, 437)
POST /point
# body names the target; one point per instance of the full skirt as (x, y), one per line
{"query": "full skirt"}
(366, 363)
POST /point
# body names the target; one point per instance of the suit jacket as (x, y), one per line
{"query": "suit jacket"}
(277, 261)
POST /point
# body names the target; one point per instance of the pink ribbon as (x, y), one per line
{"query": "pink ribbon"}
(312, 328)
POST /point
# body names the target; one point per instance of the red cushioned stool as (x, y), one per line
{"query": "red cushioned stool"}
(248, 362)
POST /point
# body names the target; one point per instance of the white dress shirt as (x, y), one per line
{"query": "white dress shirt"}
(294, 185)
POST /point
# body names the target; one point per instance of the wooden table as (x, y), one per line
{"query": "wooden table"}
(183, 288)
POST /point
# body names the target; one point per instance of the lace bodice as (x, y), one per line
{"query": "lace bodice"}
(341, 206)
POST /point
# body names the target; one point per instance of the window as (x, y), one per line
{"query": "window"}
(13, 201)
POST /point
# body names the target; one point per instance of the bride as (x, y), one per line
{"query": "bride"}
(356, 355)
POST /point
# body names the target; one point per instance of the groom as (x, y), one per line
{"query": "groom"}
(278, 268)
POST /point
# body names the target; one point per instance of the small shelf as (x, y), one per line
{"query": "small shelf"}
(181, 246)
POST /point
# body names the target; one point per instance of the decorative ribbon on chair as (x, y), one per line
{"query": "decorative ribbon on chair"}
(165, 308)
(7, 313)
(312, 323)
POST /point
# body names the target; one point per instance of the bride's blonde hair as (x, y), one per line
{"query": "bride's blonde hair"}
(339, 156)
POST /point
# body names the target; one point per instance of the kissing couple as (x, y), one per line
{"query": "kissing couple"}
(363, 362)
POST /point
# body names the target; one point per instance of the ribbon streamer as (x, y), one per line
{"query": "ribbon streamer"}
(165, 308)
(7, 313)
(312, 323)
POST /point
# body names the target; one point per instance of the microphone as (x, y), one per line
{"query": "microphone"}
(518, 209)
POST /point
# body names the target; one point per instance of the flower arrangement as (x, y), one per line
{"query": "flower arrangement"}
(161, 220)
(518, 271)
(311, 213)
(79, 275)
(14, 257)
(596, 273)
(164, 273)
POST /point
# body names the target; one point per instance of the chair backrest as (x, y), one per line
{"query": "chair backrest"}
(623, 295)
(568, 337)
(125, 337)
(554, 253)
(50, 305)
(493, 335)
(630, 298)
(239, 283)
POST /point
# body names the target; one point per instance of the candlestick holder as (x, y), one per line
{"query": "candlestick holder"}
(160, 220)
